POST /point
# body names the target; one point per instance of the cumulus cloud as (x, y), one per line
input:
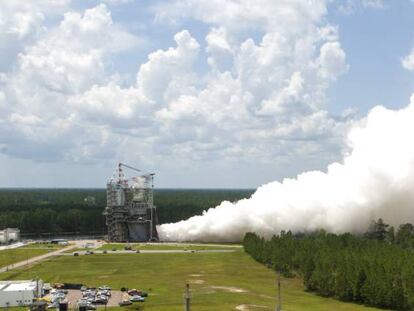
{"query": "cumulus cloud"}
(65, 61)
(408, 61)
(21, 23)
(168, 71)
(252, 86)
(374, 180)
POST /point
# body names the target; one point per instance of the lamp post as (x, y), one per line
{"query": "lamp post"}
(279, 297)
(187, 297)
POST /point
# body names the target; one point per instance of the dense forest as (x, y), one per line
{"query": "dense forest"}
(375, 269)
(70, 211)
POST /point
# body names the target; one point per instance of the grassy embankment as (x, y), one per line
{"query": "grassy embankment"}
(219, 281)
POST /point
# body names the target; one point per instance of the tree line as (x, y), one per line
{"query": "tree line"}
(58, 211)
(375, 269)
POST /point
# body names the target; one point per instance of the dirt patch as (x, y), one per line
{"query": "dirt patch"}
(266, 296)
(195, 275)
(197, 281)
(230, 289)
(250, 307)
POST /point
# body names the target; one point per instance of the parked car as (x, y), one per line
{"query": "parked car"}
(137, 298)
(136, 292)
(101, 299)
(104, 287)
(125, 303)
(105, 292)
(88, 305)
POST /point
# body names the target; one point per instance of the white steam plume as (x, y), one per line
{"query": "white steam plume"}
(376, 179)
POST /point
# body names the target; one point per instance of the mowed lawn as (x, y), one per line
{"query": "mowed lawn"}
(11, 256)
(219, 281)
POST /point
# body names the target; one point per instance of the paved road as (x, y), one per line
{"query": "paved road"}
(12, 246)
(36, 259)
(158, 251)
(196, 244)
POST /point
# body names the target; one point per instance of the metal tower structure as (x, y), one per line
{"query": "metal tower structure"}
(130, 212)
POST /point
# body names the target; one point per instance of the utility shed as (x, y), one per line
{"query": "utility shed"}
(19, 293)
(9, 235)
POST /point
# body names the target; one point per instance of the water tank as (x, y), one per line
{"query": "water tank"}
(119, 196)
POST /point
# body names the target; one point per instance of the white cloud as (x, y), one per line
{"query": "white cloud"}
(265, 69)
(21, 22)
(332, 60)
(42, 120)
(166, 71)
(408, 61)
(117, 2)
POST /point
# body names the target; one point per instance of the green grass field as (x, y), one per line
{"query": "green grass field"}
(219, 281)
(161, 246)
(10, 256)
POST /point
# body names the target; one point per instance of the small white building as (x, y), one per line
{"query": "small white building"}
(19, 293)
(9, 235)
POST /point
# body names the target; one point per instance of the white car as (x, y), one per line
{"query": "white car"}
(137, 298)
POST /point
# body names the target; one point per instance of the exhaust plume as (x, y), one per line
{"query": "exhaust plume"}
(375, 179)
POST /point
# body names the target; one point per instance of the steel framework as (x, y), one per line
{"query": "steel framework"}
(130, 212)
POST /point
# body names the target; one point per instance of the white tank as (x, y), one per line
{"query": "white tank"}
(119, 196)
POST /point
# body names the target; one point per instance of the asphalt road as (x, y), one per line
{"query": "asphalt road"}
(12, 246)
(158, 251)
(196, 244)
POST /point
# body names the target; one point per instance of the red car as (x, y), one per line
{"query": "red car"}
(136, 292)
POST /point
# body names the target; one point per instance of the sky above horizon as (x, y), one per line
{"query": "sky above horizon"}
(206, 94)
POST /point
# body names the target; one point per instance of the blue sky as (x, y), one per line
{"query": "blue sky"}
(375, 41)
(205, 93)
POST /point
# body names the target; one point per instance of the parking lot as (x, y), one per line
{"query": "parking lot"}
(74, 295)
